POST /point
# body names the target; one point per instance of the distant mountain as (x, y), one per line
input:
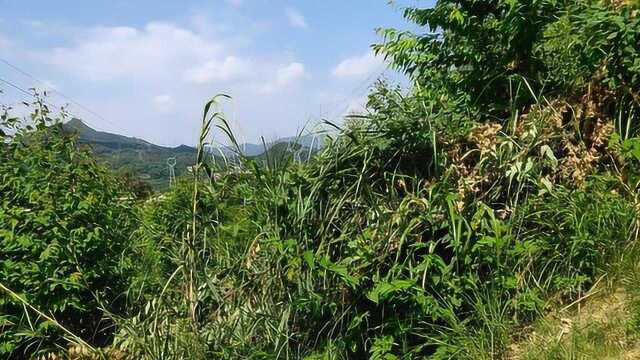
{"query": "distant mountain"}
(149, 161)
(314, 141)
(104, 139)
(283, 151)
(132, 155)
(311, 141)
(247, 149)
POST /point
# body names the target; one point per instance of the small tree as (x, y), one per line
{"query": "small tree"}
(64, 223)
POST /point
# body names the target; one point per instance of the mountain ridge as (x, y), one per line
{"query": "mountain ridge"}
(133, 156)
(149, 162)
(90, 135)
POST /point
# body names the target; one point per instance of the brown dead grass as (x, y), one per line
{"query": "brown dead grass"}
(595, 328)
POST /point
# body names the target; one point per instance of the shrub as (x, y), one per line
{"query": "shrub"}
(64, 224)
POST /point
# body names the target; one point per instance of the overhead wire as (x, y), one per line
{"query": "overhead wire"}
(31, 94)
(58, 92)
(343, 106)
(66, 97)
(78, 104)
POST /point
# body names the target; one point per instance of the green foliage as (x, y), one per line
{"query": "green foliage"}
(481, 57)
(602, 46)
(64, 223)
(571, 234)
(141, 189)
(422, 229)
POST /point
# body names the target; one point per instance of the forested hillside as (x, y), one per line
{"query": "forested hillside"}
(490, 210)
(133, 157)
(145, 163)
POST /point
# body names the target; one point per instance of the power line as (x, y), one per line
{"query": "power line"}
(61, 94)
(357, 90)
(16, 87)
(33, 95)
(26, 92)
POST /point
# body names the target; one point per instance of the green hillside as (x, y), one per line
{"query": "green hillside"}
(103, 141)
(148, 162)
(134, 156)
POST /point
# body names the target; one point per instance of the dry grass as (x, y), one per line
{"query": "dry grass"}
(603, 324)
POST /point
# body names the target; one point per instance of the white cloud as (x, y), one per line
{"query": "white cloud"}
(285, 76)
(358, 66)
(231, 68)
(152, 80)
(296, 19)
(164, 103)
(164, 53)
(157, 50)
(289, 73)
(356, 106)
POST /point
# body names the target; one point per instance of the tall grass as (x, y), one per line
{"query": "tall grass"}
(390, 242)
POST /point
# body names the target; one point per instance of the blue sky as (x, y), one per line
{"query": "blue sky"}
(147, 67)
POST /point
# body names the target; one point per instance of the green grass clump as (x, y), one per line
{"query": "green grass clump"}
(602, 324)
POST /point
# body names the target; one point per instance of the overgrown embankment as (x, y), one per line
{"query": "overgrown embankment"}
(440, 224)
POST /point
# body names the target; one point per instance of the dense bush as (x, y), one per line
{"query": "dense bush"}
(571, 234)
(485, 57)
(448, 215)
(64, 224)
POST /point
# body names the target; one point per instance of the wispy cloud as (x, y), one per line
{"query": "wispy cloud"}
(296, 19)
(285, 76)
(230, 68)
(358, 66)
(164, 53)
(164, 103)
(159, 50)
